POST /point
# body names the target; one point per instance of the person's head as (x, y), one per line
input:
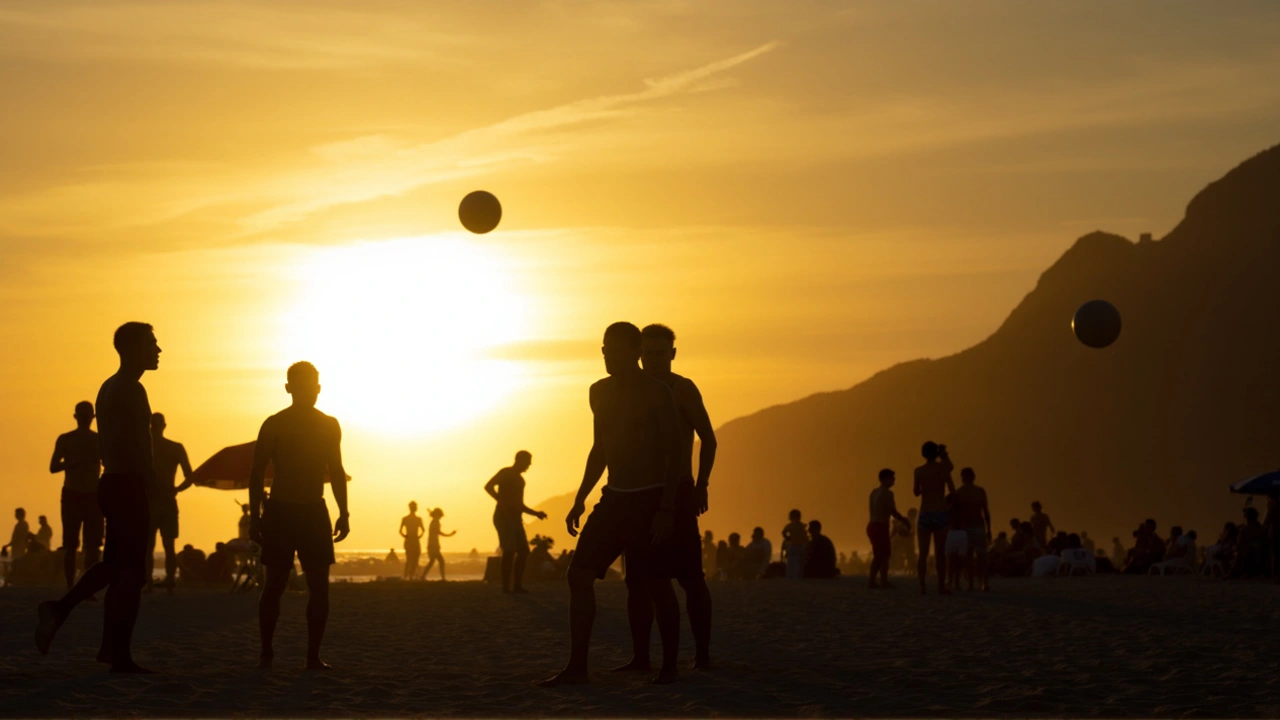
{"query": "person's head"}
(967, 476)
(929, 450)
(1062, 535)
(523, 460)
(1192, 534)
(1150, 525)
(815, 528)
(1015, 523)
(1115, 539)
(735, 539)
(657, 348)
(158, 424)
(20, 513)
(1084, 535)
(887, 478)
(722, 545)
(1175, 532)
(757, 534)
(244, 509)
(84, 414)
(621, 347)
(187, 547)
(1073, 541)
(1002, 535)
(220, 546)
(1026, 528)
(437, 513)
(44, 520)
(1036, 506)
(1251, 515)
(707, 536)
(136, 344)
(794, 515)
(303, 383)
(413, 506)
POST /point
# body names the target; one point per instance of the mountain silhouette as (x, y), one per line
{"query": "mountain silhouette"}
(1186, 401)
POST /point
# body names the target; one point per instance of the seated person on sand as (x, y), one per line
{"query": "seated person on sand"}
(1058, 543)
(191, 565)
(819, 554)
(219, 565)
(1251, 547)
(1224, 550)
(760, 552)
(1075, 557)
(1175, 548)
(737, 568)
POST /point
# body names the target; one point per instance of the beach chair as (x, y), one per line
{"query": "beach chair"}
(1077, 561)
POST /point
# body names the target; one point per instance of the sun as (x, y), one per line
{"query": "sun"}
(403, 330)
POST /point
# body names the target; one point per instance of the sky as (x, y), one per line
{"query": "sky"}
(807, 192)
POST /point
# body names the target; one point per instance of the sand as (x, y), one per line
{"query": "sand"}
(1102, 646)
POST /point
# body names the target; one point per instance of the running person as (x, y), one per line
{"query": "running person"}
(507, 488)
(75, 454)
(411, 530)
(303, 445)
(637, 438)
(433, 543)
(124, 417)
(933, 484)
(163, 498)
(657, 352)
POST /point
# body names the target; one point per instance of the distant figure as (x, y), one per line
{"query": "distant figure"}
(709, 553)
(163, 498)
(411, 530)
(391, 558)
(75, 454)
(124, 418)
(192, 565)
(723, 560)
(1117, 553)
(507, 488)
(795, 537)
(933, 484)
(433, 544)
(44, 535)
(658, 351)
(637, 439)
(1086, 542)
(303, 445)
(1041, 525)
(883, 507)
(246, 523)
(219, 564)
(760, 552)
(17, 546)
(820, 554)
(1251, 547)
(971, 517)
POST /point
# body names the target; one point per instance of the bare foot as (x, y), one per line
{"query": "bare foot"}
(47, 625)
(264, 662)
(635, 665)
(318, 664)
(129, 667)
(565, 677)
(666, 676)
(701, 662)
(104, 656)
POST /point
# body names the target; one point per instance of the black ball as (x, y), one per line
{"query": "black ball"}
(480, 212)
(1096, 323)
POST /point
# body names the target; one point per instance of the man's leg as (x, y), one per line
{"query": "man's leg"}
(640, 618)
(441, 559)
(170, 560)
(70, 540)
(666, 610)
(317, 612)
(269, 610)
(517, 579)
(582, 614)
(940, 559)
(53, 614)
(120, 614)
(697, 600)
(69, 564)
(151, 554)
(508, 559)
(922, 562)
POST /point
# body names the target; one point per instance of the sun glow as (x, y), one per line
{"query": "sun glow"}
(402, 331)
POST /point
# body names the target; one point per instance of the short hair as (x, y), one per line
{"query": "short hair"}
(794, 513)
(1251, 513)
(623, 333)
(524, 455)
(929, 450)
(157, 416)
(885, 474)
(302, 370)
(20, 511)
(1035, 504)
(658, 331)
(815, 525)
(413, 504)
(968, 472)
(43, 518)
(84, 407)
(130, 334)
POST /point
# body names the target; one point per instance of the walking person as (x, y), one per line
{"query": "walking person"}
(883, 507)
(163, 499)
(933, 484)
(507, 489)
(75, 455)
(411, 530)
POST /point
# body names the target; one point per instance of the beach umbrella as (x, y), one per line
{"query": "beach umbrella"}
(229, 469)
(1264, 484)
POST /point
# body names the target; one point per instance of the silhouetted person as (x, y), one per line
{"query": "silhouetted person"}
(75, 455)
(124, 418)
(1041, 525)
(657, 353)
(1251, 547)
(933, 484)
(433, 544)
(709, 553)
(44, 535)
(411, 530)
(302, 445)
(971, 515)
(507, 488)
(760, 550)
(219, 564)
(17, 546)
(245, 525)
(883, 507)
(795, 537)
(819, 555)
(636, 436)
(192, 565)
(163, 497)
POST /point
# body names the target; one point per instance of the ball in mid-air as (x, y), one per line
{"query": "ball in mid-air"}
(480, 212)
(1096, 323)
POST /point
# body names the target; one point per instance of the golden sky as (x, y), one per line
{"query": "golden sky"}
(806, 192)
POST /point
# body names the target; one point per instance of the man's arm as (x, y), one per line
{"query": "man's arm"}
(986, 513)
(701, 420)
(596, 463)
(187, 480)
(530, 511)
(403, 534)
(59, 461)
(338, 481)
(491, 487)
(262, 452)
(893, 510)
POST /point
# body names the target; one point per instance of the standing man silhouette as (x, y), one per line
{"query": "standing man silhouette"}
(169, 456)
(75, 454)
(303, 445)
(124, 418)
(507, 488)
(933, 485)
(637, 438)
(658, 350)
(411, 530)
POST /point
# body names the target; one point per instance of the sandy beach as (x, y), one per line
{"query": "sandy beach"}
(1103, 646)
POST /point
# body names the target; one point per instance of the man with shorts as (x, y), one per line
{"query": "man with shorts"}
(970, 517)
(883, 507)
(169, 456)
(124, 419)
(75, 454)
(303, 446)
(507, 488)
(657, 352)
(411, 529)
(637, 438)
(933, 484)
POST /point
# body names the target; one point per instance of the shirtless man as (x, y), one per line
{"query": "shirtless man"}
(883, 506)
(124, 418)
(637, 438)
(507, 489)
(411, 530)
(933, 484)
(169, 456)
(657, 351)
(303, 446)
(971, 515)
(75, 454)
(1041, 525)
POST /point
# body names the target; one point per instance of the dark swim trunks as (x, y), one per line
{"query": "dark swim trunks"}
(934, 521)
(511, 534)
(681, 556)
(621, 522)
(123, 501)
(80, 509)
(301, 528)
